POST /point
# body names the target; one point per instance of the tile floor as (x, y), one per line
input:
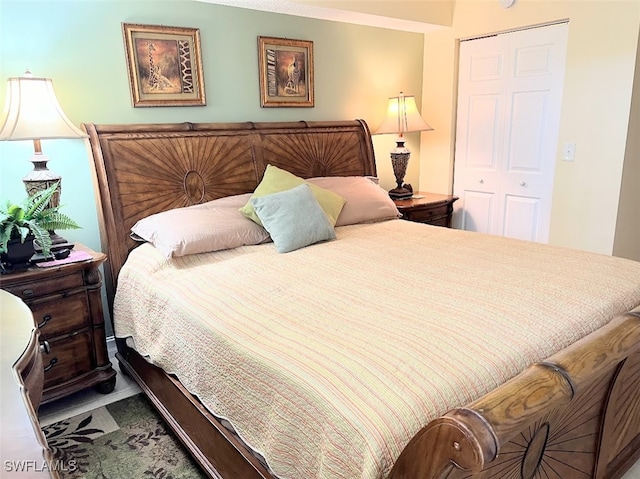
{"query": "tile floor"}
(634, 472)
(89, 399)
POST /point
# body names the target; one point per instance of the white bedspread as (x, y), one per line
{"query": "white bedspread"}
(328, 359)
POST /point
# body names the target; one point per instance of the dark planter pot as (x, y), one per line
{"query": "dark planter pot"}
(18, 254)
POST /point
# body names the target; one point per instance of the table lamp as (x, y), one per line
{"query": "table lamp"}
(32, 112)
(402, 117)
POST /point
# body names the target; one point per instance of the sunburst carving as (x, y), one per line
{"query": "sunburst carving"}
(313, 154)
(560, 445)
(186, 171)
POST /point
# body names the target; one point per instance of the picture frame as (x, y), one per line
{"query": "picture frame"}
(286, 72)
(164, 65)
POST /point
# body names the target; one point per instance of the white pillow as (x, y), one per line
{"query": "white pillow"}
(365, 201)
(211, 226)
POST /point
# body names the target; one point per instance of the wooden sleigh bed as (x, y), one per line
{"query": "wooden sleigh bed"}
(574, 414)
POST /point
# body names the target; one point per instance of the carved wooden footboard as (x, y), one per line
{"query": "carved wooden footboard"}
(575, 415)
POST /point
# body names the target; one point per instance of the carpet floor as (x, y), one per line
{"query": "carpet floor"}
(123, 440)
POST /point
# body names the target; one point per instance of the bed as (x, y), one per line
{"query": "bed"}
(556, 395)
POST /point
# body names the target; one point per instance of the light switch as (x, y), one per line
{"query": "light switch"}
(569, 152)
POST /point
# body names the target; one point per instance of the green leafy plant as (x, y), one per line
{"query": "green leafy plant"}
(33, 216)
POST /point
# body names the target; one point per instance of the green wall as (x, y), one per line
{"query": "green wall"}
(79, 44)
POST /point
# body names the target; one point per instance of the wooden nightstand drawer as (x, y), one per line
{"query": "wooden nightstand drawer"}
(428, 215)
(427, 208)
(58, 318)
(67, 359)
(33, 289)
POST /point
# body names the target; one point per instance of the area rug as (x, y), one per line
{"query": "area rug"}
(123, 440)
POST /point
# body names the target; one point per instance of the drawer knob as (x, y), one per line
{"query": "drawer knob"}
(27, 292)
(481, 181)
(523, 183)
(45, 319)
(51, 364)
(45, 347)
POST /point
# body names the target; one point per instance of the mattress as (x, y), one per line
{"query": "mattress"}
(328, 359)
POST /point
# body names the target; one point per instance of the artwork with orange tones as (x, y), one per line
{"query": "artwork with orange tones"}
(286, 72)
(165, 66)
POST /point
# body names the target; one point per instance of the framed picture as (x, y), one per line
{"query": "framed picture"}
(286, 72)
(165, 65)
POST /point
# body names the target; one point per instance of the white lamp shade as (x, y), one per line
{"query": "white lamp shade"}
(32, 112)
(402, 116)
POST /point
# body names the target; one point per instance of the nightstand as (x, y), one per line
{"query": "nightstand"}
(427, 208)
(67, 308)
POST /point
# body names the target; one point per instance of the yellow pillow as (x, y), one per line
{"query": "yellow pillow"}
(276, 180)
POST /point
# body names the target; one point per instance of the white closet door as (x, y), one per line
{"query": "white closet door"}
(509, 100)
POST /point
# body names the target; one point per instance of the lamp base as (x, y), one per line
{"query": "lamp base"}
(401, 193)
(41, 177)
(399, 160)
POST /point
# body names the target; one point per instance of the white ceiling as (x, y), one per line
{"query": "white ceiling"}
(301, 10)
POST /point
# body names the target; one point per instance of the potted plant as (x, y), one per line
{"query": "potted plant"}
(32, 220)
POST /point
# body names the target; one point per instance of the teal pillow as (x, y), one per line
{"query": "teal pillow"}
(276, 179)
(293, 218)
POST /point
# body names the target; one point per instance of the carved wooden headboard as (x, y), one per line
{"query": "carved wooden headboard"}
(142, 169)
